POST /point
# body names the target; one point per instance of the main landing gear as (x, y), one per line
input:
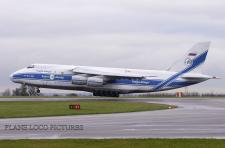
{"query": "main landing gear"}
(106, 93)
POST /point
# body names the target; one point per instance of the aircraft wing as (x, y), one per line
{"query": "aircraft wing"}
(110, 72)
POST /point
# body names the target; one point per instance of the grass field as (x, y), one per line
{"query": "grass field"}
(114, 143)
(41, 109)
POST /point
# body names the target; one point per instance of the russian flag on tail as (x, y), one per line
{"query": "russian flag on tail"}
(192, 54)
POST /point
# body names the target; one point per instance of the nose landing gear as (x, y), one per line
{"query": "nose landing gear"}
(38, 91)
(27, 90)
(33, 91)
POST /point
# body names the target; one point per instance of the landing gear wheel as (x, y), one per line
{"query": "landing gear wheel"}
(38, 91)
(115, 94)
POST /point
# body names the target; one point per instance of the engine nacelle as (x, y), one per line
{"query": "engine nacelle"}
(79, 79)
(95, 81)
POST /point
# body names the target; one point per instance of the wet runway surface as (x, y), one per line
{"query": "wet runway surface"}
(194, 118)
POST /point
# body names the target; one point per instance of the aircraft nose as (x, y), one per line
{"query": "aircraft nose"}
(11, 77)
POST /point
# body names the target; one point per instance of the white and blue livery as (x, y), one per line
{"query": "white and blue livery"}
(103, 81)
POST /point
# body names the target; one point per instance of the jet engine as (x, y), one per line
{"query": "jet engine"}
(79, 79)
(95, 81)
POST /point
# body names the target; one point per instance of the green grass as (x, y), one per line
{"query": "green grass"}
(60, 108)
(114, 143)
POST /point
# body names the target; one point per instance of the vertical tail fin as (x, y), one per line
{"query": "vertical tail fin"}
(195, 57)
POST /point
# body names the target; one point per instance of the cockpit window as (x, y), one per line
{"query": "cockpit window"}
(31, 66)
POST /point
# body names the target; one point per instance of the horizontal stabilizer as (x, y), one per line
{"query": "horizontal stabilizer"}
(195, 77)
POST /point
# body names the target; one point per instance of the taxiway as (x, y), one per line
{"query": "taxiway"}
(194, 118)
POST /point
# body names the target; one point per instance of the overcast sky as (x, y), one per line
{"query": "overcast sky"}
(143, 34)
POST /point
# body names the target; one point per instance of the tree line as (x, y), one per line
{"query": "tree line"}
(21, 91)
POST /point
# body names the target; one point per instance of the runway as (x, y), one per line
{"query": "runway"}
(194, 118)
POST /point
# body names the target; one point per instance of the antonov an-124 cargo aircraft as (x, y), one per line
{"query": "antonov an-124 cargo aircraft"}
(112, 82)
